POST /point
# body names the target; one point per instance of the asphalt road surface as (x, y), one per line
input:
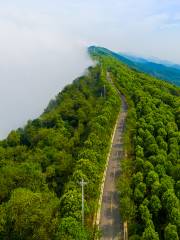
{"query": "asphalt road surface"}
(110, 220)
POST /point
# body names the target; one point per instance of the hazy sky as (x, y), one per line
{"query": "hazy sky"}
(43, 45)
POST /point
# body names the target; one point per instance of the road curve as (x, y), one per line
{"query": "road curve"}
(110, 220)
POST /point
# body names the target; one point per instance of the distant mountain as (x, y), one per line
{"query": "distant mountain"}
(150, 60)
(161, 69)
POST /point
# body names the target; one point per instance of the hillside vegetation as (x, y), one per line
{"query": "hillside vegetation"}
(170, 73)
(150, 181)
(42, 164)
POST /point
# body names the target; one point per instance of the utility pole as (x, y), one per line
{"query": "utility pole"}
(104, 91)
(82, 183)
(125, 230)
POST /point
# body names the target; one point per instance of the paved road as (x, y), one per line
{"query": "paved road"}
(110, 221)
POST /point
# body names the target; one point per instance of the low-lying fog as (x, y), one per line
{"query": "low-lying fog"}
(37, 59)
(27, 86)
(43, 45)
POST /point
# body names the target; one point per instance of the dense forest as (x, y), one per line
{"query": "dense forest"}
(150, 182)
(170, 73)
(42, 164)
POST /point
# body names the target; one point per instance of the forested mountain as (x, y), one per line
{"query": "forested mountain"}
(150, 182)
(160, 70)
(42, 164)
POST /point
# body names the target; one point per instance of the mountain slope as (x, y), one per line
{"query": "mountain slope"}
(42, 164)
(168, 73)
(149, 184)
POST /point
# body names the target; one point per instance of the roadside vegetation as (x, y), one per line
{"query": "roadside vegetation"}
(150, 182)
(42, 164)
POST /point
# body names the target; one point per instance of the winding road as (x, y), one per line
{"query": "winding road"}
(111, 225)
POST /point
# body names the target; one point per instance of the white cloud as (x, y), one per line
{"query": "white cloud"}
(36, 61)
(43, 44)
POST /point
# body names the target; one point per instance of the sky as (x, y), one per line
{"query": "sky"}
(43, 45)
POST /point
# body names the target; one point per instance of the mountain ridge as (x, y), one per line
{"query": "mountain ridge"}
(158, 70)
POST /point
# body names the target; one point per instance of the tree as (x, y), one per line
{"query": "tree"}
(32, 215)
(170, 232)
(91, 174)
(3, 220)
(177, 189)
(152, 149)
(139, 151)
(174, 217)
(148, 167)
(27, 175)
(167, 182)
(139, 192)
(70, 204)
(160, 170)
(151, 178)
(13, 139)
(162, 132)
(170, 200)
(135, 237)
(139, 162)
(127, 208)
(155, 204)
(156, 188)
(70, 229)
(160, 158)
(146, 216)
(150, 234)
(139, 141)
(137, 178)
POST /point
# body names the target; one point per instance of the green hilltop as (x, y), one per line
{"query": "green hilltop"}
(170, 73)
